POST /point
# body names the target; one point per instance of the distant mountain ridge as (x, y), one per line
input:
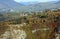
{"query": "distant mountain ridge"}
(8, 4)
(29, 3)
(28, 6)
(39, 6)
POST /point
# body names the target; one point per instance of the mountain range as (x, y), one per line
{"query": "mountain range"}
(9, 4)
(28, 6)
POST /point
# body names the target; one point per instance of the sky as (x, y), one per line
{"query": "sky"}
(34, 0)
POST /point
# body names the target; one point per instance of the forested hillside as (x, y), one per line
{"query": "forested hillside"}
(40, 25)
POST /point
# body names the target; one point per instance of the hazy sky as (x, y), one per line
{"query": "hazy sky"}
(34, 0)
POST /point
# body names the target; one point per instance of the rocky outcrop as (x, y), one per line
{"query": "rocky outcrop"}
(13, 32)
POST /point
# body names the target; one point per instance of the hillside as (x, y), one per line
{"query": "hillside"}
(42, 25)
(28, 6)
(39, 7)
(9, 4)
